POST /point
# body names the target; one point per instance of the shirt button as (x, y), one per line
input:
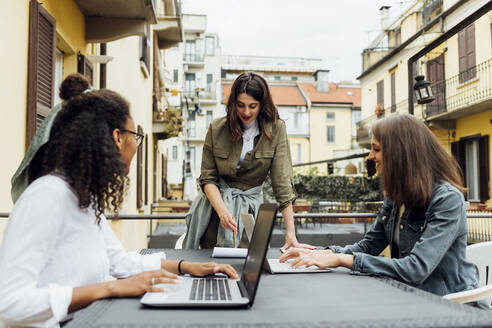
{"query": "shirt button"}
(422, 228)
(383, 218)
(401, 226)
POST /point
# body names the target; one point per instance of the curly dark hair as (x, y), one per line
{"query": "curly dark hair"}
(82, 150)
(254, 85)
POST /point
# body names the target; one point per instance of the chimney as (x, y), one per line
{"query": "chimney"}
(385, 16)
(321, 80)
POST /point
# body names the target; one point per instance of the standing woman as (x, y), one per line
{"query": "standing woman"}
(58, 249)
(240, 151)
(423, 218)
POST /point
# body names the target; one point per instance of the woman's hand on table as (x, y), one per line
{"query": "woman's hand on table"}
(323, 259)
(142, 283)
(291, 242)
(295, 252)
(228, 221)
(202, 269)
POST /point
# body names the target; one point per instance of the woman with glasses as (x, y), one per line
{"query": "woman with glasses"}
(240, 151)
(58, 250)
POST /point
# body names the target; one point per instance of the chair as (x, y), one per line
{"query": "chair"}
(179, 242)
(481, 255)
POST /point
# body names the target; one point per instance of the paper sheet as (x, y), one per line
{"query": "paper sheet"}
(230, 252)
(249, 224)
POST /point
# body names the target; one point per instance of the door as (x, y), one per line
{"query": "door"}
(435, 75)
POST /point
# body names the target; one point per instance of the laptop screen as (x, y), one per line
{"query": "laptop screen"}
(258, 248)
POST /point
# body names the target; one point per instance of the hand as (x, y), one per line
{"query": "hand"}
(142, 283)
(291, 241)
(228, 221)
(321, 260)
(203, 269)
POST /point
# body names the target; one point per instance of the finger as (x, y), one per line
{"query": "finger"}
(167, 274)
(307, 246)
(227, 269)
(286, 257)
(295, 261)
(166, 281)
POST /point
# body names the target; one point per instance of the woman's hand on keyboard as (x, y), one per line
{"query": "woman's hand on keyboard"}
(208, 268)
(323, 260)
(141, 283)
(293, 253)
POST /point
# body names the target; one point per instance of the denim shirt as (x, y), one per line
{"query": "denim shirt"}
(432, 252)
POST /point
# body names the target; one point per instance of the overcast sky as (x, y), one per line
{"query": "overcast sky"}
(333, 30)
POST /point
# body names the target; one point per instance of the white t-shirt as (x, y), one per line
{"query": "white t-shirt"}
(251, 130)
(51, 246)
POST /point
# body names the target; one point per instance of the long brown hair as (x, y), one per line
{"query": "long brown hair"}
(413, 160)
(254, 85)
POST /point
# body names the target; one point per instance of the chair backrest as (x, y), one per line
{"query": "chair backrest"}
(481, 255)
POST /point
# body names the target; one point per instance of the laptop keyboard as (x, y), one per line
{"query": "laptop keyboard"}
(210, 289)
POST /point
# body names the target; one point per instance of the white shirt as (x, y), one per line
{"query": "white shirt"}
(51, 246)
(251, 130)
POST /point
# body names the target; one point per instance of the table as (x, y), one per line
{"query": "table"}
(335, 299)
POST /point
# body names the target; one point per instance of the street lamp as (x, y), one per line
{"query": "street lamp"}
(423, 91)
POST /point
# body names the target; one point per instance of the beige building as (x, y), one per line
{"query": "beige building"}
(116, 46)
(450, 43)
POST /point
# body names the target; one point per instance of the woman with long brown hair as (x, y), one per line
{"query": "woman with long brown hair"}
(240, 151)
(423, 217)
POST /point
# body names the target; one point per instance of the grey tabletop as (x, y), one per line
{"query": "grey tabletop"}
(334, 299)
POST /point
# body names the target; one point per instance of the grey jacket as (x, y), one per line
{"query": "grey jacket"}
(432, 252)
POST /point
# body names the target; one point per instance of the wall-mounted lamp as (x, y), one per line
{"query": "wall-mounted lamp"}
(422, 90)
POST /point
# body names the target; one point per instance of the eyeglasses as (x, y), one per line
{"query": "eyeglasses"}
(138, 136)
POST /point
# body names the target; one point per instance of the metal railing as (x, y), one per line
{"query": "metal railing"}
(462, 90)
(194, 58)
(480, 224)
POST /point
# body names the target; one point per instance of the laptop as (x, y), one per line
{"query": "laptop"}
(220, 291)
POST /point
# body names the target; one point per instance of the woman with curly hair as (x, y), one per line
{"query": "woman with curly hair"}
(422, 220)
(59, 250)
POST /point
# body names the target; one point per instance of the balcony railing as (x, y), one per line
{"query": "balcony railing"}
(462, 90)
(194, 58)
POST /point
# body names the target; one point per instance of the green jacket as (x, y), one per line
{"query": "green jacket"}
(221, 155)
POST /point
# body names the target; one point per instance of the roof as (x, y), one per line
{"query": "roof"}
(281, 95)
(335, 94)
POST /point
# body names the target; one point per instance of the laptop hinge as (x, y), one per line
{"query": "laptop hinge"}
(242, 289)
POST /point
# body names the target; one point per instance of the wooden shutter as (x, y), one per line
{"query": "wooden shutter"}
(380, 93)
(84, 67)
(470, 52)
(164, 177)
(458, 151)
(393, 93)
(139, 171)
(462, 55)
(483, 167)
(146, 167)
(41, 67)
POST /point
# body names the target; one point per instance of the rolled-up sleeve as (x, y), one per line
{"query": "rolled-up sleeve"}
(281, 170)
(124, 264)
(209, 172)
(30, 243)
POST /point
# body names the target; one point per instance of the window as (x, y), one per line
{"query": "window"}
(466, 50)
(472, 154)
(84, 67)
(356, 116)
(276, 78)
(380, 94)
(192, 124)
(190, 50)
(145, 50)
(192, 157)
(41, 79)
(58, 74)
(210, 83)
(190, 84)
(210, 45)
(175, 76)
(330, 134)
(175, 152)
(393, 93)
(293, 78)
(299, 153)
(330, 116)
(209, 118)
(297, 119)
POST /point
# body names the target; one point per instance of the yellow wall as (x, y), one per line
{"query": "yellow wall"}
(320, 148)
(70, 30)
(305, 149)
(124, 75)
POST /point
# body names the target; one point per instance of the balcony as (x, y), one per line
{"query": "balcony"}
(169, 28)
(207, 95)
(464, 94)
(193, 60)
(111, 20)
(167, 124)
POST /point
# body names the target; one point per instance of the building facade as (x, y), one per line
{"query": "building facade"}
(450, 43)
